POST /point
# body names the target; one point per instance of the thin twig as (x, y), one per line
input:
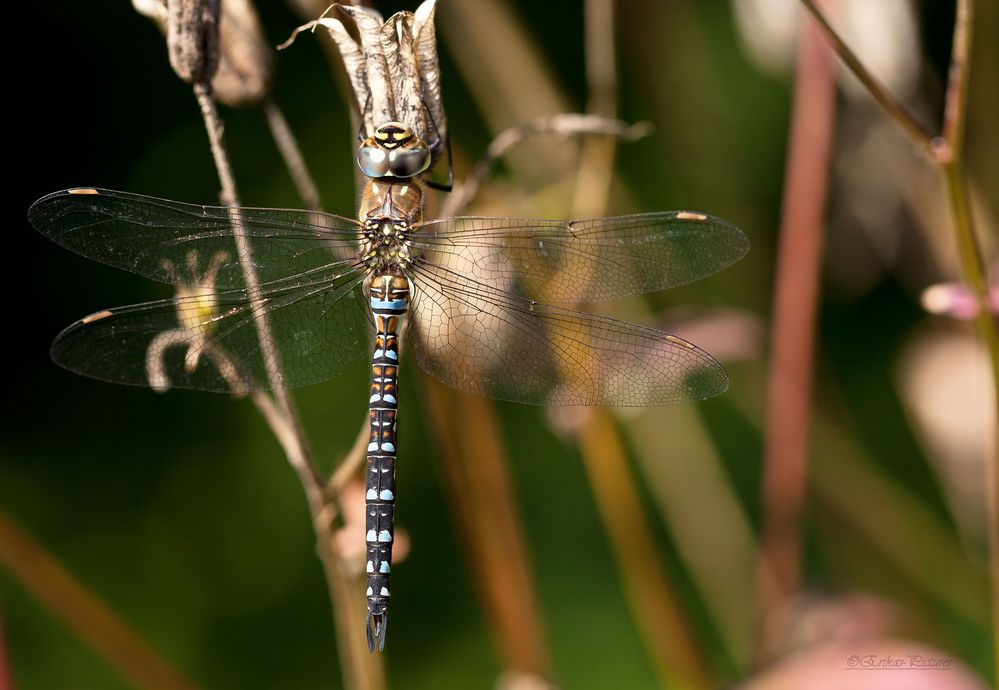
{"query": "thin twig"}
(562, 125)
(299, 458)
(359, 671)
(351, 462)
(789, 378)
(292, 155)
(655, 607)
(474, 466)
(654, 603)
(278, 423)
(952, 164)
(596, 160)
(919, 133)
(956, 100)
(972, 267)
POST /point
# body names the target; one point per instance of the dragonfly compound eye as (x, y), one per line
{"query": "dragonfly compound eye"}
(373, 160)
(407, 162)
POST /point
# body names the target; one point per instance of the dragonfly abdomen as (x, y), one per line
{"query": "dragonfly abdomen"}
(389, 299)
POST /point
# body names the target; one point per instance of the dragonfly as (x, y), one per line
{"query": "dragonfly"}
(485, 305)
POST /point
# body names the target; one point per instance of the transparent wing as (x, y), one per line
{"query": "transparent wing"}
(156, 238)
(580, 261)
(207, 340)
(486, 341)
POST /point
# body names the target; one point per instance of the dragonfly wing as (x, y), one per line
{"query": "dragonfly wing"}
(208, 340)
(166, 240)
(484, 340)
(566, 262)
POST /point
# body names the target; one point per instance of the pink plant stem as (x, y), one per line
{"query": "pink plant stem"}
(796, 293)
(946, 152)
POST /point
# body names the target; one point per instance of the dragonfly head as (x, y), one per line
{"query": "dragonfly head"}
(394, 150)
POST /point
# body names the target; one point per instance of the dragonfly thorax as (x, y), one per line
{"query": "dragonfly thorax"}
(386, 247)
(388, 210)
(397, 199)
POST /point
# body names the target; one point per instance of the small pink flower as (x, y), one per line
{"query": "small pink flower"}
(956, 300)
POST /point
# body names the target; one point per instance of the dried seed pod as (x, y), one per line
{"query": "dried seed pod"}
(393, 68)
(428, 67)
(397, 45)
(380, 96)
(245, 62)
(193, 38)
(154, 9)
(244, 76)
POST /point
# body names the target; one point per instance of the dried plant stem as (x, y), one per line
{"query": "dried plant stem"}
(474, 466)
(351, 462)
(596, 164)
(974, 274)
(292, 155)
(950, 158)
(80, 609)
(359, 670)
(654, 606)
(947, 153)
(299, 457)
(956, 100)
(472, 462)
(911, 125)
(789, 376)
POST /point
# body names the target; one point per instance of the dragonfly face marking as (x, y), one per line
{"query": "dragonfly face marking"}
(393, 134)
(393, 151)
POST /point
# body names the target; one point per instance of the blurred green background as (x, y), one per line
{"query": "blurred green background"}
(180, 511)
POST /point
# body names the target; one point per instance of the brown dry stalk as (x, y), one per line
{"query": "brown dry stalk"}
(291, 153)
(359, 668)
(84, 612)
(655, 606)
(474, 466)
(299, 457)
